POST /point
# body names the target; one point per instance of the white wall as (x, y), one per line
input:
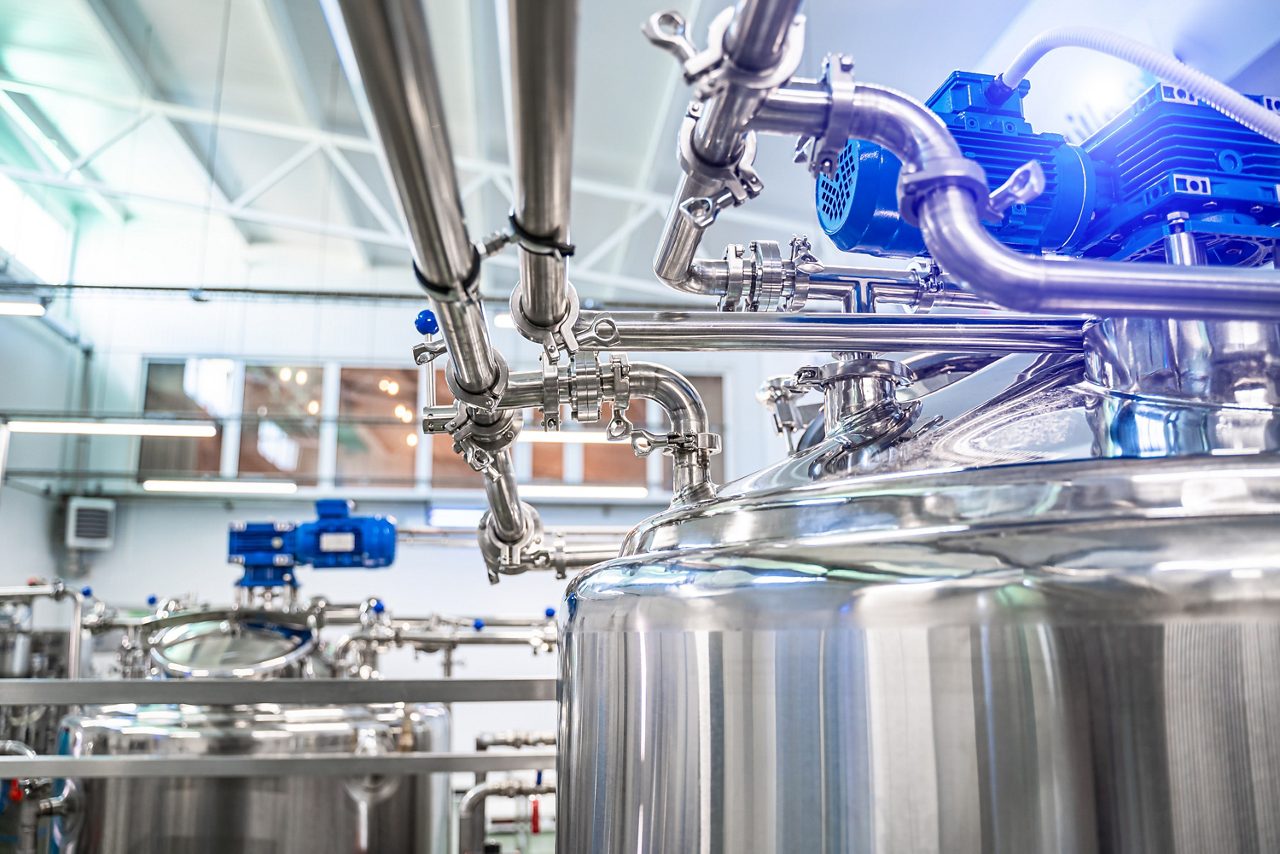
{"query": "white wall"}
(38, 372)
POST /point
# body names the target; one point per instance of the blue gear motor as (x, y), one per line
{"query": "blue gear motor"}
(269, 551)
(1110, 197)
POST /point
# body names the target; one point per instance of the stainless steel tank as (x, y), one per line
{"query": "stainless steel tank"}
(1046, 623)
(271, 815)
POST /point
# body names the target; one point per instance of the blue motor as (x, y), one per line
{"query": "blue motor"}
(1110, 197)
(269, 551)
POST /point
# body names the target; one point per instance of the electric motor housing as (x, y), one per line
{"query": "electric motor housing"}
(858, 205)
(1112, 197)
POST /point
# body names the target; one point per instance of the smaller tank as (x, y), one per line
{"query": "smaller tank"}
(280, 815)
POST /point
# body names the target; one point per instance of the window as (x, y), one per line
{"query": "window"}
(378, 427)
(280, 430)
(196, 388)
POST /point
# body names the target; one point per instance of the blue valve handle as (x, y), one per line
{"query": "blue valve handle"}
(426, 322)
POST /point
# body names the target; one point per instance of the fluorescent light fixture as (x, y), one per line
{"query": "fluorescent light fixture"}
(168, 429)
(21, 309)
(569, 437)
(222, 487)
(556, 490)
(504, 321)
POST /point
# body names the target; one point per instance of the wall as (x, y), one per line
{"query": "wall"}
(38, 372)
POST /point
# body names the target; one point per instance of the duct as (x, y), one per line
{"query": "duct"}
(710, 331)
(948, 217)
(542, 41)
(394, 65)
(752, 50)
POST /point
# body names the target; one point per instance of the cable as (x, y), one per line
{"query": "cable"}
(1216, 94)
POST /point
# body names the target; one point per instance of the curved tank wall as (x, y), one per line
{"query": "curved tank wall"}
(1032, 658)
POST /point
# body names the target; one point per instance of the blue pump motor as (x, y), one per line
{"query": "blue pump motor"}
(1110, 197)
(269, 551)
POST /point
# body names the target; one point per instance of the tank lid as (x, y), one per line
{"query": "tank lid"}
(231, 645)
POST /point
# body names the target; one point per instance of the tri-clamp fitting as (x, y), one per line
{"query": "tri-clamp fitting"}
(758, 278)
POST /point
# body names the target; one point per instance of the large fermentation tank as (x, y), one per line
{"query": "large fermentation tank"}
(263, 815)
(1049, 622)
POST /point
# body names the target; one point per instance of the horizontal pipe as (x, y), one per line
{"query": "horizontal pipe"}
(133, 766)
(93, 692)
(514, 738)
(710, 331)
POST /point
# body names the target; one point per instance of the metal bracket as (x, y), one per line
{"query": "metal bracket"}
(428, 351)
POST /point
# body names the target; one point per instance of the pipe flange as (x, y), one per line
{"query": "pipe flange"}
(768, 280)
(885, 369)
(585, 389)
(512, 558)
(737, 178)
(486, 400)
(497, 434)
(550, 396)
(713, 70)
(736, 279)
(837, 74)
(942, 172)
(554, 338)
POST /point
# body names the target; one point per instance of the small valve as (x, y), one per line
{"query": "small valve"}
(550, 613)
(152, 600)
(86, 592)
(378, 606)
(16, 793)
(478, 624)
(426, 322)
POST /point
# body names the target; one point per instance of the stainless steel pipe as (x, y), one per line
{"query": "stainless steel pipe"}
(393, 57)
(710, 331)
(669, 390)
(543, 42)
(754, 43)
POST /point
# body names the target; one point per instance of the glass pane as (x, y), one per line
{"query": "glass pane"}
(447, 468)
(197, 388)
(280, 434)
(378, 429)
(712, 391)
(615, 462)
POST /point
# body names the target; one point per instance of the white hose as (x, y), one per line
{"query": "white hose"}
(1216, 94)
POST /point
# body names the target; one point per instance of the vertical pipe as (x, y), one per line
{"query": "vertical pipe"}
(543, 42)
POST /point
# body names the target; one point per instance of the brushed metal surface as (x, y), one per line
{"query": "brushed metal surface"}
(260, 815)
(1090, 684)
